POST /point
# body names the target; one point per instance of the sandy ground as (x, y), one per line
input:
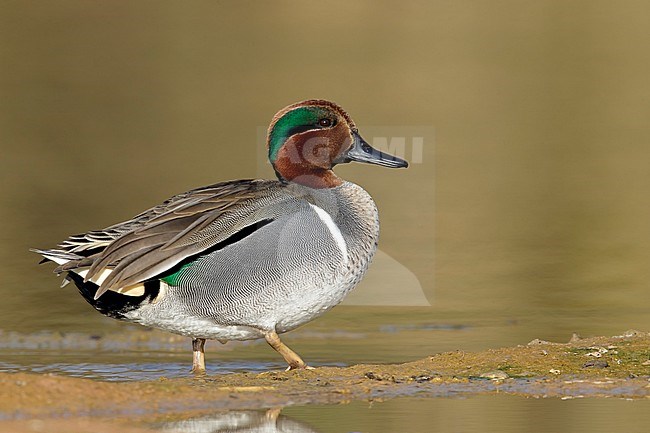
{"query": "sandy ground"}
(599, 367)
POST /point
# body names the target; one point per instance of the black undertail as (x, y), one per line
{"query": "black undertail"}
(113, 304)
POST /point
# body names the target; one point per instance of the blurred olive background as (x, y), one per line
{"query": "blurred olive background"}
(528, 216)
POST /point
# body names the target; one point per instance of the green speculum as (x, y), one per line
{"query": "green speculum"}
(173, 278)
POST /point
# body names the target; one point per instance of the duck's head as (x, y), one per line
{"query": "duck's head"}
(307, 139)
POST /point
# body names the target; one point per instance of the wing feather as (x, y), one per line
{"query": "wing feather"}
(184, 226)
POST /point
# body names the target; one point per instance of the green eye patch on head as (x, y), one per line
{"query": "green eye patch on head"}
(293, 122)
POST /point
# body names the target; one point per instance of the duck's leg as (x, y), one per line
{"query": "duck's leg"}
(198, 358)
(273, 414)
(293, 359)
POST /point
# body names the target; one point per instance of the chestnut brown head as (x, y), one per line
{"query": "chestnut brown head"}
(307, 139)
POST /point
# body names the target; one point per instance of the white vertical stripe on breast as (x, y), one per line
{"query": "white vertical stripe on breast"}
(334, 230)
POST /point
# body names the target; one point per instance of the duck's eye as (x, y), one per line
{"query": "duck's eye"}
(325, 122)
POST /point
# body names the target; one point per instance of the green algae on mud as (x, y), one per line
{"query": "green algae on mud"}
(538, 369)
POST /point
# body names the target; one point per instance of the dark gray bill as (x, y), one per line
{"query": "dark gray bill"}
(361, 151)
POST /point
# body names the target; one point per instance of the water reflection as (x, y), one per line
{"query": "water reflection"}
(249, 421)
(495, 413)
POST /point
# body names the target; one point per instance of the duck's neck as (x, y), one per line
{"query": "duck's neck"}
(312, 177)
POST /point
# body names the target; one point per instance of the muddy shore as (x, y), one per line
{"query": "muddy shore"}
(616, 366)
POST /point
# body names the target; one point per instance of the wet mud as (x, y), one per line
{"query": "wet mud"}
(616, 366)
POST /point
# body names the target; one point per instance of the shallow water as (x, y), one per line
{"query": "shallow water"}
(126, 371)
(478, 413)
(455, 414)
(525, 215)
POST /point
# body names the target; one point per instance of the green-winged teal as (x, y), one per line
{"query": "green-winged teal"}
(243, 259)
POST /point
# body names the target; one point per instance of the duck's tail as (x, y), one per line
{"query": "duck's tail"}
(60, 257)
(112, 303)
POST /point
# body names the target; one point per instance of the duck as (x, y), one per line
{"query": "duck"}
(242, 259)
